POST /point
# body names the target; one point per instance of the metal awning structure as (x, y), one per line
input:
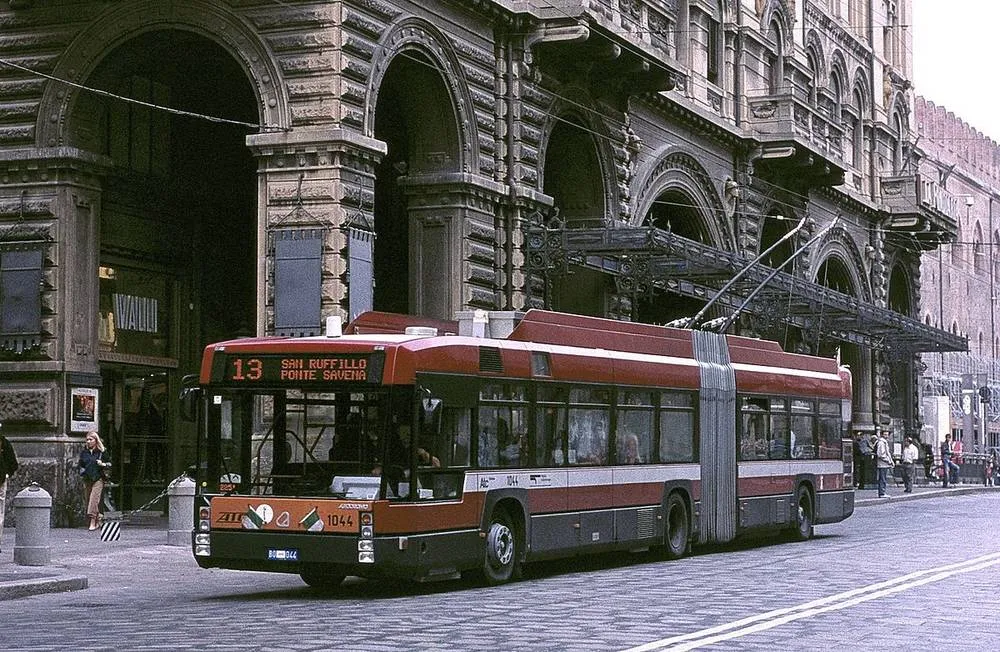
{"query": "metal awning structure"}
(643, 259)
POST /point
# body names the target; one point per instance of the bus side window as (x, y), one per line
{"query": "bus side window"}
(588, 436)
(677, 431)
(456, 432)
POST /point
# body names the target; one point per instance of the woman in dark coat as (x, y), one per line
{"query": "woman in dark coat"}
(94, 463)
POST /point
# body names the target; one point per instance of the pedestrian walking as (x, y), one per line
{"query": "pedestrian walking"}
(949, 470)
(883, 461)
(94, 463)
(909, 460)
(865, 456)
(8, 466)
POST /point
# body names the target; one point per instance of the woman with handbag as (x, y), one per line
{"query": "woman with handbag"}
(94, 463)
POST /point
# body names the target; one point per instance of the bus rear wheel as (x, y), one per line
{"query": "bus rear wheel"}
(804, 515)
(320, 578)
(501, 557)
(678, 529)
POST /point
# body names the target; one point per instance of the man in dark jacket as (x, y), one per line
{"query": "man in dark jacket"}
(8, 465)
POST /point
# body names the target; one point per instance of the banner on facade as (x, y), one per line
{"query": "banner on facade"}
(83, 409)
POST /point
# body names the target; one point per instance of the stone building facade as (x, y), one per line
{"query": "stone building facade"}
(960, 282)
(176, 173)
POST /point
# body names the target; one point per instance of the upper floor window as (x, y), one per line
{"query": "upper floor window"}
(138, 138)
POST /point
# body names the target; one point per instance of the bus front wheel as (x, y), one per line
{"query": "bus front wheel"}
(678, 527)
(501, 558)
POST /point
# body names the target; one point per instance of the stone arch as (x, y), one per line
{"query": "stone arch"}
(679, 171)
(839, 244)
(123, 23)
(859, 90)
(838, 79)
(839, 268)
(776, 11)
(901, 289)
(978, 249)
(815, 47)
(415, 34)
(566, 111)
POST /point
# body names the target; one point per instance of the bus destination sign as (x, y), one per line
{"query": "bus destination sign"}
(293, 369)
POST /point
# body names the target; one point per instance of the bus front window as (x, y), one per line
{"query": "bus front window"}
(295, 443)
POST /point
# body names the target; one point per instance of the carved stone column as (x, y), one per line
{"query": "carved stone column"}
(313, 178)
(49, 236)
(456, 237)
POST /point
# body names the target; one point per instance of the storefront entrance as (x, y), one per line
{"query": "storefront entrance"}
(135, 425)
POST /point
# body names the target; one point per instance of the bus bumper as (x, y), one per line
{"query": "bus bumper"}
(419, 557)
(834, 506)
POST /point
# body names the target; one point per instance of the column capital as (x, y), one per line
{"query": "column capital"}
(308, 140)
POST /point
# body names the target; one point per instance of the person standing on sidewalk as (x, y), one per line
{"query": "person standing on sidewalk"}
(94, 462)
(949, 470)
(8, 466)
(909, 459)
(883, 461)
(863, 465)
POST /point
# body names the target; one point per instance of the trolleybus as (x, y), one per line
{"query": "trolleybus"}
(425, 455)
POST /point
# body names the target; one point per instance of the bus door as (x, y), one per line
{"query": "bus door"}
(717, 426)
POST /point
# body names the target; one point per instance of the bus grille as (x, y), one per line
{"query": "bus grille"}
(646, 522)
(490, 360)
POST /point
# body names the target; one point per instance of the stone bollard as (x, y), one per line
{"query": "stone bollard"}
(180, 496)
(33, 511)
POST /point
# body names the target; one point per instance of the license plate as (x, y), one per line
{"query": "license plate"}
(283, 554)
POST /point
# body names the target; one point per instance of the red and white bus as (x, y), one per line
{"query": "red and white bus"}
(423, 455)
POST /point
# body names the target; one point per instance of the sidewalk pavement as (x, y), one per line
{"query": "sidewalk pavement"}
(72, 555)
(73, 550)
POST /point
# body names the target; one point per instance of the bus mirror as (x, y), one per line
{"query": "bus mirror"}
(189, 403)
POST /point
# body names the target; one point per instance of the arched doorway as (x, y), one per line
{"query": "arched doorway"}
(177, 251)
(574, 180)
(902, 394)
(414, 255)
(835, 274)
(675, 211)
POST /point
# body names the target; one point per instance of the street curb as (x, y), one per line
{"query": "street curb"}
(918, 495)
(25, 588)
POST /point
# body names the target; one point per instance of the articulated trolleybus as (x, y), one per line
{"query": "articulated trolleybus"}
(418, 455)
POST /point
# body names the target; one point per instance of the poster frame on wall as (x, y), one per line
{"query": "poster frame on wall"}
(84, 409)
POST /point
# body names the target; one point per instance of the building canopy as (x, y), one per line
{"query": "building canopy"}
(647, 259)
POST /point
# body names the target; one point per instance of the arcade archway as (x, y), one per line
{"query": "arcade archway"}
(177, 252)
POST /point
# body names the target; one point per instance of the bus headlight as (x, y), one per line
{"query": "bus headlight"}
(366, 557)
(205, 519)
(202, 539)
(366, 546)
(202, 550)
(366, 532)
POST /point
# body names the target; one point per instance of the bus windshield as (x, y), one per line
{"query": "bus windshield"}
(292, 442)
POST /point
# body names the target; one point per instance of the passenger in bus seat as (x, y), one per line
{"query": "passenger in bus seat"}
(631, 454)
(424, 458)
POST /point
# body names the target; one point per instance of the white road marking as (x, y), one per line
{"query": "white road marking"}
(777, 617)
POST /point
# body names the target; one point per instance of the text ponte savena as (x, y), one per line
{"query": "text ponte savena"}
(332, 369)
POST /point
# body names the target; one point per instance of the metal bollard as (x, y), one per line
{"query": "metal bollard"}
(180, 497)
(33, 511)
